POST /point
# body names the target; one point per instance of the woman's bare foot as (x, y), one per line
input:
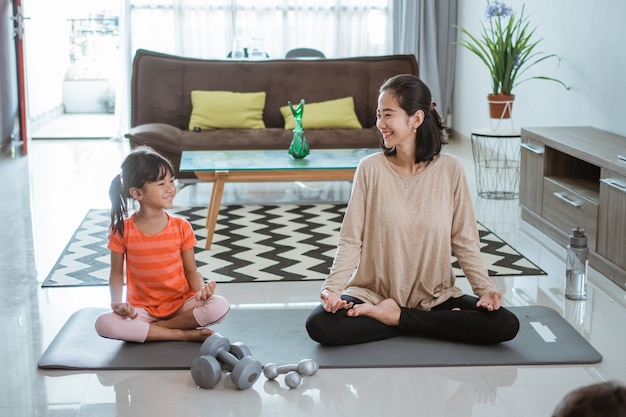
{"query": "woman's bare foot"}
(386, 312)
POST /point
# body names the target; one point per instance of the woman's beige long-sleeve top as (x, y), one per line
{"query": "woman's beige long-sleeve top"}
(399, 232)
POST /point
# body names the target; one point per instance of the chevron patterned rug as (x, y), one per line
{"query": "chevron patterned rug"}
(255, 243)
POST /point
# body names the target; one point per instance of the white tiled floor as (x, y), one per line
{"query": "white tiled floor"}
(69, 177)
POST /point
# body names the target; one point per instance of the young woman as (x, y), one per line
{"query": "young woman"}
(410, 209)
(166, 297)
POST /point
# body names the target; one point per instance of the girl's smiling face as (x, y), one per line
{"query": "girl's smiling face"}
(394, 124)
(158, 194)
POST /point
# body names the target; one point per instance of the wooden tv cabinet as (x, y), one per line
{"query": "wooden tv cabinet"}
(576, 176)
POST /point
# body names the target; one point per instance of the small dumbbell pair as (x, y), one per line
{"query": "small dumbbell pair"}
(217, 353)
(294, 372)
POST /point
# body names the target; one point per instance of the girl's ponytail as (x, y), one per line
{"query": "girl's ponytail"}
(119, 205)
(141, 166)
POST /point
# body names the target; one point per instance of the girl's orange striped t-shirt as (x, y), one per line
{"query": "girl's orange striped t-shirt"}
(155, 276)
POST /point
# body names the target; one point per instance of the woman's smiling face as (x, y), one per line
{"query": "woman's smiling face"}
(392, 121)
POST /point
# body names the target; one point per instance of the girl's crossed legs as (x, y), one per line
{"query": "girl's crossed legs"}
(190, 322)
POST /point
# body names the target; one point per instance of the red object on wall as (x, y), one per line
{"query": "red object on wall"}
(21, 75)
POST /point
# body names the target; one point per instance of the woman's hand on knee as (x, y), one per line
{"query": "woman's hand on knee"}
(333, 302)
(490, 301)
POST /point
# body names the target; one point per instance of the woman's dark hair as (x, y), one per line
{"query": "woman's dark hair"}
(141, 166)
(606, 399)
(413, 95)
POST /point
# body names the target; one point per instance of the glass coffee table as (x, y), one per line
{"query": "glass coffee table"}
(220, 167)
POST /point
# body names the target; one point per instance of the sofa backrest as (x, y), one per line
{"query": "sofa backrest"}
(161, 84)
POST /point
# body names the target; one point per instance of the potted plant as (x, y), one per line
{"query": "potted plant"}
(506, 47)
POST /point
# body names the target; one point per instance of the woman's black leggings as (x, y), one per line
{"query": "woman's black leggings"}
(470, 324)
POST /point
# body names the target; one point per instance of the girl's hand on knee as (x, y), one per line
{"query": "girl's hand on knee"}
(124, 310)
(206, 291)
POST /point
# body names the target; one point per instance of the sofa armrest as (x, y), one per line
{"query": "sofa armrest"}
(165, 139)
(153, 134)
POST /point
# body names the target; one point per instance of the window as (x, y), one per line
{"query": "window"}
(207, 29)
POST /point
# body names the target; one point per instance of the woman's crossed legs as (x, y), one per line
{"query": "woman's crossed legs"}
(457, 320)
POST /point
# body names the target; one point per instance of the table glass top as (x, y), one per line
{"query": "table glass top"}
(271, 160)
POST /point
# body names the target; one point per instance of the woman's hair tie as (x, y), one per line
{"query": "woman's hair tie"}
(432, 105)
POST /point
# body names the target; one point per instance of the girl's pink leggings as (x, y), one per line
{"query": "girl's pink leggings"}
(113, 326)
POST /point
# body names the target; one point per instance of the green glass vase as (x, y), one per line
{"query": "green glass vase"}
(299, 147)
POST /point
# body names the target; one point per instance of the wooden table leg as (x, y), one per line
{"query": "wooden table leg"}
(214, 206)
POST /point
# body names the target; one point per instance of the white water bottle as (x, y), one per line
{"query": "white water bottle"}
(576, 265)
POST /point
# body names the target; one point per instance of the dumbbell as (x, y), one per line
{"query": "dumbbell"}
(244, 371)
(206, 371)
(239, 351)
(305, 367)
(293, 379)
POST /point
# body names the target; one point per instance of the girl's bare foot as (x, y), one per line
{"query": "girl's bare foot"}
(386, 312)
(198, 335)
(156, 333)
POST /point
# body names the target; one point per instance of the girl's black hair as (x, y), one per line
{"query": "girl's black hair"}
(141, 166)
(413, 95)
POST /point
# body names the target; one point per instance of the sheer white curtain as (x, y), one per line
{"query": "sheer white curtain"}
(206, 29)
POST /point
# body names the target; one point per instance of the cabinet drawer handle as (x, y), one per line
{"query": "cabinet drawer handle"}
(614, 183)
(563, 197)
(538, 151)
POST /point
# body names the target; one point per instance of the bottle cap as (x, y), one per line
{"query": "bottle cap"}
(578, 239)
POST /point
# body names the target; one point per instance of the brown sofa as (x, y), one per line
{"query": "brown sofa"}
(161, 99)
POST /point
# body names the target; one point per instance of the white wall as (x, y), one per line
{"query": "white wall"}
(589, 36)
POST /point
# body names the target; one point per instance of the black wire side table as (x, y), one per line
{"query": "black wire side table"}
(496, 161)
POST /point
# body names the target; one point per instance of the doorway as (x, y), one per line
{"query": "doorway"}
(72, 55)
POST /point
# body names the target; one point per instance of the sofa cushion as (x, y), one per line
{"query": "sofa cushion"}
(226, 110)
(330, 114)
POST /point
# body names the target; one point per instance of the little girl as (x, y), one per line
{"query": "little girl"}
(166, 297)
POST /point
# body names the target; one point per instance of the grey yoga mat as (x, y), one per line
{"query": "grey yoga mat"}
(278, 335)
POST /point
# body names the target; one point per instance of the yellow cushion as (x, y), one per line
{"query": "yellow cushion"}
(227, 110)
(332, 114)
